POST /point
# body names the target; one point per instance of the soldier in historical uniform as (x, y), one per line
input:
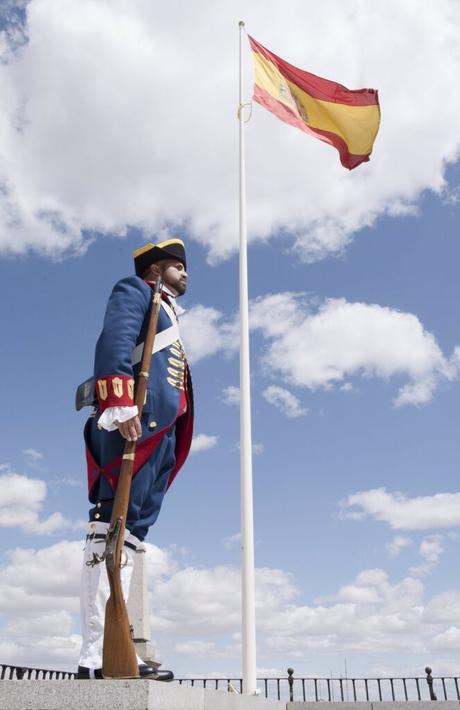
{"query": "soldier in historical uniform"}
(163, 430)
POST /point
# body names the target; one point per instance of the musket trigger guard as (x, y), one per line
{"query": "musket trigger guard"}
(96, 560)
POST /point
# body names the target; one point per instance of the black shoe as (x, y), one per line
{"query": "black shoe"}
(145, 671)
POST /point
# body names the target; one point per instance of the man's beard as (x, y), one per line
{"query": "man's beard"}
(178, 286)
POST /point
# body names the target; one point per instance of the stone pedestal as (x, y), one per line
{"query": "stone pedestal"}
(138, 609)
(121, 695)
(151, 695)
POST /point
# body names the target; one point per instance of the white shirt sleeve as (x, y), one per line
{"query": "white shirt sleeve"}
(112, 414)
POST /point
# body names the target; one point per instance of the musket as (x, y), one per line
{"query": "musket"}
(119, 655)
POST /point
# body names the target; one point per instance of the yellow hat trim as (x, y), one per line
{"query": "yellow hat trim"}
(161, 245)
(168, 242)
(143, 249)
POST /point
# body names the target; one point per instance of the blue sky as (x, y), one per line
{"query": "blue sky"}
(353, 282)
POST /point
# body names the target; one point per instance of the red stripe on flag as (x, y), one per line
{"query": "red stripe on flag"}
(317, 87)
(287, 115)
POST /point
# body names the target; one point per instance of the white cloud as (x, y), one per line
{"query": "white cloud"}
(441, 510)
(443, 608)
(285, 401)
(198, 602)
(161, 563)
(231, 395)
(57, 652)
(203, 442)
(451, 195)
(448, 639)
(203, 602)
(39, 599)
(205, 332)
(39, 581)
(42, 641)
(32, 455)
(319, 344)
(398, 543)
(369, 615)
(431, 549)
(43, 580)
(21, 501)
(80, 151)
(57, 623)
(319, 348)
(196, 611)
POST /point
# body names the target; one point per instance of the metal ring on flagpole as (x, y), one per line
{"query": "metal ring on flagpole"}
(241, 107)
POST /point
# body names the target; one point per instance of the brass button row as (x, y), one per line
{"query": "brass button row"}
(178, 384)
(176, 363)
(177, 353)
(175, 373)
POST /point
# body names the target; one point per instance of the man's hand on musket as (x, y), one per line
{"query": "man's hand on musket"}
(131, 429)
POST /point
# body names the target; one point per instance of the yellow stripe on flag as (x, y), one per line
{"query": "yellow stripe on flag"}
(356, 125)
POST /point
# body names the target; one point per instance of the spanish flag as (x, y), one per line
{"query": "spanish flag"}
(348, 120)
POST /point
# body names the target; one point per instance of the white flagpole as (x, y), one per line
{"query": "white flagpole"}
(247, 516)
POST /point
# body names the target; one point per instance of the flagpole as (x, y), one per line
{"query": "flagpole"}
(247, 515)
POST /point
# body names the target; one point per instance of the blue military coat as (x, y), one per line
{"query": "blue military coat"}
(169, 399)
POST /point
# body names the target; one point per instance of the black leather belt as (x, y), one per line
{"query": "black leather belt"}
(101, 536)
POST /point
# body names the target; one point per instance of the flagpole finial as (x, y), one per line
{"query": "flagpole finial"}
(241, 23)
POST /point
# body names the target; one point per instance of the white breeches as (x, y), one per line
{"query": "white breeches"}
(95, 592)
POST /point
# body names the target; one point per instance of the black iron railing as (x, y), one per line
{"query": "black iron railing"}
(302, 689)
(342, 689)
(24, 673)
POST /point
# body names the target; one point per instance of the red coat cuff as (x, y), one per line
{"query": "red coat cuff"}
(115, 391)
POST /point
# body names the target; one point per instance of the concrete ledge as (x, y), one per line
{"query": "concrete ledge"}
(151, 695)
(417, 705)
(122, 695)
(332, 706)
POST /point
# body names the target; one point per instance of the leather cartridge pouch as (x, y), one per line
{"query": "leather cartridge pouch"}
(85, 395)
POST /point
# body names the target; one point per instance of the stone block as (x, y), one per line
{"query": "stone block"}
(417, 705)
(122, 695)
(222, 700)
(311, 705)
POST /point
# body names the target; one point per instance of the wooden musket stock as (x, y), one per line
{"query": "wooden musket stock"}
(119, 655)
